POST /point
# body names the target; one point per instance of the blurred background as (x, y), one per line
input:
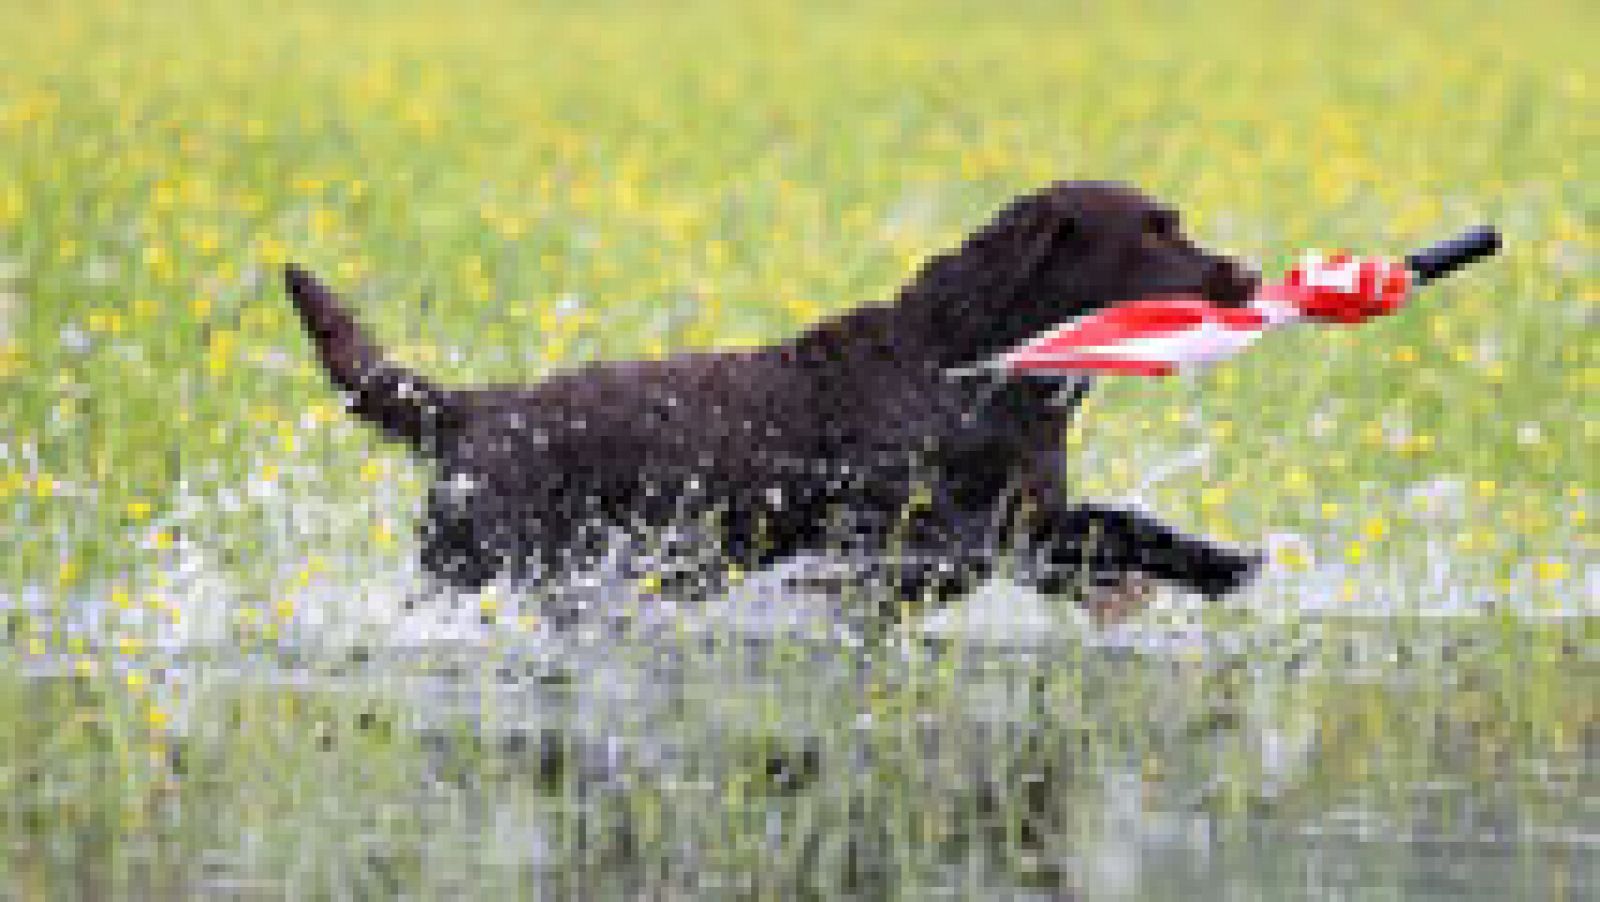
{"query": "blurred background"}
(209, 676)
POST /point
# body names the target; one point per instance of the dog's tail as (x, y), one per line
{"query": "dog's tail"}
(401, 403)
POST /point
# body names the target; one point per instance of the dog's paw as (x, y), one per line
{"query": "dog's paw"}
(1228, 572)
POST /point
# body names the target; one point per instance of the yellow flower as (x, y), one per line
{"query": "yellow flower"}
(272, 252)
(323, 222)
(138, 510)
(104, 321)
(11, 358)
(1374, 529)
(322, 412)
(383, 535)
(1551, 570)
(219, 353)
(1292, 558)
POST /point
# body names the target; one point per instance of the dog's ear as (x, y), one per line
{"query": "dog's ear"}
(985, 294)
(1030, 234)
(1053, 228)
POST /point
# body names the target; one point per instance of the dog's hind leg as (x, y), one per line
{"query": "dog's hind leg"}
(931, 561)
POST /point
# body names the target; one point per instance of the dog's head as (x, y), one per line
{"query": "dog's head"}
(1064, 251)
(1082, 245)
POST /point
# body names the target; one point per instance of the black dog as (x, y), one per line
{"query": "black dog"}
(851, 437)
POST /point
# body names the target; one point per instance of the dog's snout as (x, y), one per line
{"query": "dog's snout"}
(1228, 281)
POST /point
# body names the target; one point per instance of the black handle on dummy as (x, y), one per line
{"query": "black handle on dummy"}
(1450, 255)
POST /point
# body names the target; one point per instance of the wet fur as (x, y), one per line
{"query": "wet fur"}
(851, 437)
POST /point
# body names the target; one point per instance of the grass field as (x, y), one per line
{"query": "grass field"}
(206, 682)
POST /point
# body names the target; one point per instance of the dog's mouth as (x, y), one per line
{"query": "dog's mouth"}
(1226, 285)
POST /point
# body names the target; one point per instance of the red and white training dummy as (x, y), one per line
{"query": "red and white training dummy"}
(1157, 336)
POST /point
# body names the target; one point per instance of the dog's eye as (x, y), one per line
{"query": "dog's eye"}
(1160, 230)
(1161, 224)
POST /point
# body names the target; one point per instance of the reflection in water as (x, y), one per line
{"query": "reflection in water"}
(754, 744)
(1106, 774)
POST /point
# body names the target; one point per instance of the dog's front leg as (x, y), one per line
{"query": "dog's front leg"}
(1090, 544)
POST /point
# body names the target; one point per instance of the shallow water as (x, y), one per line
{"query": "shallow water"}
(1000, 747)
